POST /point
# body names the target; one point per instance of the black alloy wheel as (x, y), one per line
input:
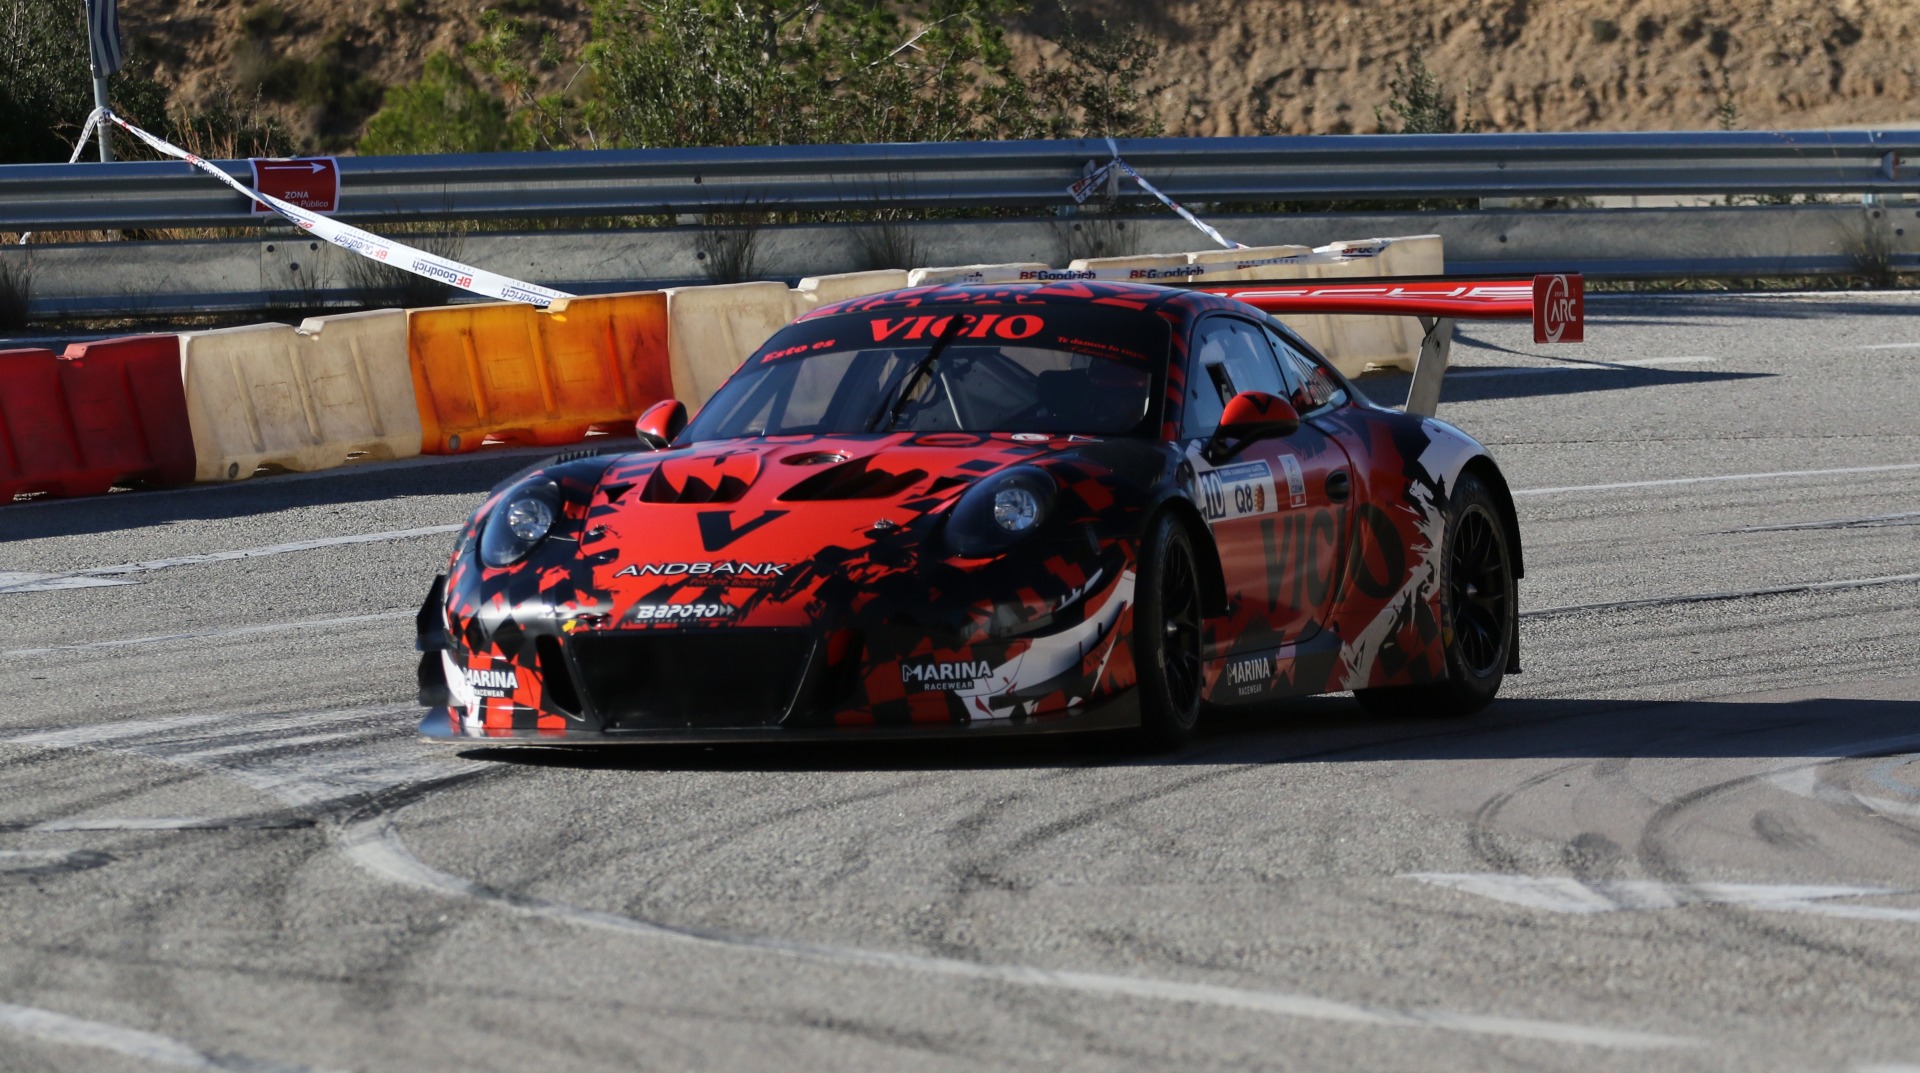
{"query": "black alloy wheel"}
(1479, 614)
(1167, 635)
(1479, 591)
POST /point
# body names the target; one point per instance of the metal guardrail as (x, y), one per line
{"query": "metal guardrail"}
(1036, 174)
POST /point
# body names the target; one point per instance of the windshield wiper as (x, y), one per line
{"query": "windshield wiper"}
(891, 406)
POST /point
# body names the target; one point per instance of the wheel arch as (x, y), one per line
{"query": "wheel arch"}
(1489, 473)
(1213, 579)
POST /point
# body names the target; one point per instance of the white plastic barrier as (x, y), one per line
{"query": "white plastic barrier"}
(1140, 267)
(1228, 265)
(816, 291)
(711, 330)
(1007, 273)
(1353, 343)
(302, 399)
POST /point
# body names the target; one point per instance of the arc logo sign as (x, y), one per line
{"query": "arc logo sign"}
(311, 183)
(1559, 308)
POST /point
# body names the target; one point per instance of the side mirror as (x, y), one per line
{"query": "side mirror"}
(1250, 416)
(661, 422)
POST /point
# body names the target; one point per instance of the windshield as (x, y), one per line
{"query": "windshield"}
(1048, 369)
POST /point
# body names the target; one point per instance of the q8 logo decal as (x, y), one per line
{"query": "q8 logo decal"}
(1237, 491)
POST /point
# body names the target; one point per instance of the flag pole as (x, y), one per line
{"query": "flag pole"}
(103, 35)
(100, 102)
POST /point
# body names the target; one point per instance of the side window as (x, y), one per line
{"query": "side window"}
(1309, 386)
(1208, 384)
(1229, 356)
(1251, 362)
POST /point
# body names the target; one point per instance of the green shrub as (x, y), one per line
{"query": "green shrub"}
(265, 20)
(442, 111)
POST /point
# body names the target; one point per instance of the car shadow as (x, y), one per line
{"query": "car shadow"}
(1318, 730)
(1481, 383)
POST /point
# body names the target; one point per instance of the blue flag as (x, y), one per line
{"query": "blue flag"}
(103, 32)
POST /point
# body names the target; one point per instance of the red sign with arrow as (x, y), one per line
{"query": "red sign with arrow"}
(311, 183)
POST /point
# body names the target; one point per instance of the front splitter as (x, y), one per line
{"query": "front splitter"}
(1119, 713)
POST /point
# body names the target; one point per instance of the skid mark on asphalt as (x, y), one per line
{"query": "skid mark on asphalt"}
(1674, 481)
(374, 844)
(1732, 594)
(354, 757)
(164, 823)
(1803, 780)
(16, 581)
(1561, 894)
(306, 759)
(1801, 777)
(23, 863)
(146, 1046)
(213, 635)
(1877, 521)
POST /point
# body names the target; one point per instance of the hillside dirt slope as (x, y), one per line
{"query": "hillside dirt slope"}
(1247, 66)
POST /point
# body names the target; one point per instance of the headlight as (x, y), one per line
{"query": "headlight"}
(521, 521)
(998, 511)
(1016, 509)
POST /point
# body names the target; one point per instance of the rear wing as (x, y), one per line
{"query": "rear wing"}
(1554, 303)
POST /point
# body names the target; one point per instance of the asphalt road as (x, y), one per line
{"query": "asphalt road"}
(1687, 837)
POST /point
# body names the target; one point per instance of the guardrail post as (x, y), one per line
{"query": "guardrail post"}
(1423, 395)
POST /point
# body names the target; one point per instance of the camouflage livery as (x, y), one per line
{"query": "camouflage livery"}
(786, 586)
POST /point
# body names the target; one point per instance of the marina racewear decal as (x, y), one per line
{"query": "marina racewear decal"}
(935, 674)
(1250, 676)
(492, 683)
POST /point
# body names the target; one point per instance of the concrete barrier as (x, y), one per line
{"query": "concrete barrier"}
(816, 291)
(333, 390)
(1354, 343)
(1006, 273)
(711, 330)
(1227, 265)
(1142, 267)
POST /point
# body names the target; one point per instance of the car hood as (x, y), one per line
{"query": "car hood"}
(771, 516)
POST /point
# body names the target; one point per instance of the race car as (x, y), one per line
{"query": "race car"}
(1010, 508)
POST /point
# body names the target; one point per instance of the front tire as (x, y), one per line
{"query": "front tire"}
(1168, 636)
(1479, 607)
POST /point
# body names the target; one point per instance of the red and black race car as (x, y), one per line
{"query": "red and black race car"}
(993, 508)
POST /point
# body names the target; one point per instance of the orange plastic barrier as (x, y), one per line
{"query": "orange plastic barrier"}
(509, 373)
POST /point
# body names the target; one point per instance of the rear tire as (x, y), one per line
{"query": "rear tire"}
(1479, 605)
(1167, 636)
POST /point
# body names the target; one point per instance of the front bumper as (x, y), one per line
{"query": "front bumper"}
(1066, 672)
(1120, 712)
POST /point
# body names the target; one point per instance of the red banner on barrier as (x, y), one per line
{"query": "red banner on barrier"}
(311, 183)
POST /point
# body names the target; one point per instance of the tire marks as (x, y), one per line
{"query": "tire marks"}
(353, 770)
(146, 1046)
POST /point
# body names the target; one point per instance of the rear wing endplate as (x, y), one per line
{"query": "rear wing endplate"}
(1555, 303)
